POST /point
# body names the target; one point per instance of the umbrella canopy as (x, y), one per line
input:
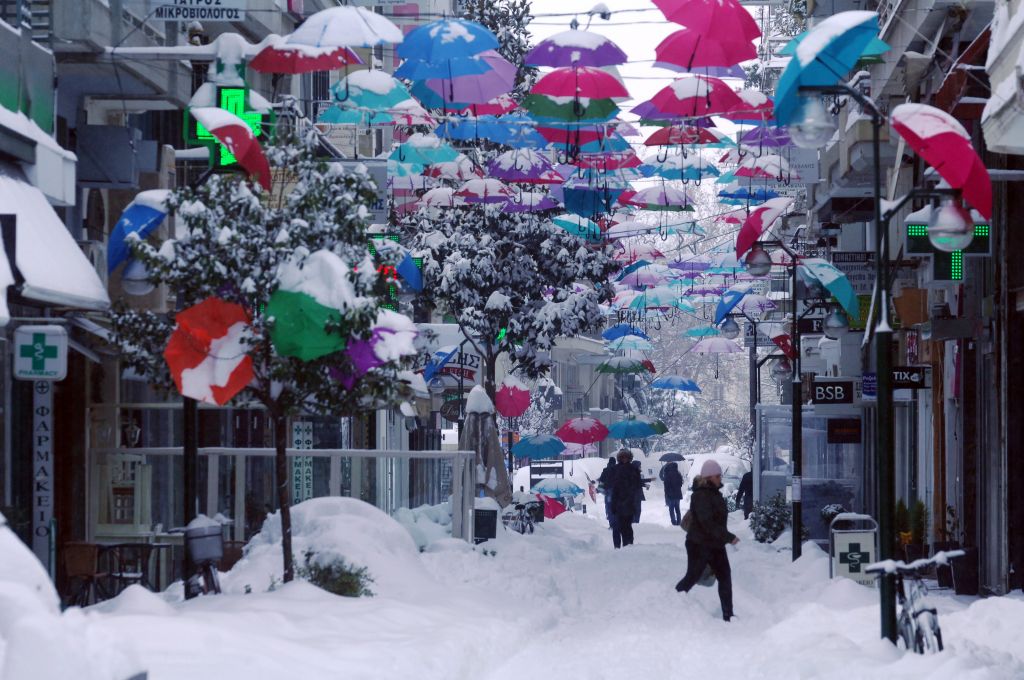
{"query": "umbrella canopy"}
(758, 222)
(636, 427)
(688, 48)
(477, 88)
(766, 136)
(620, 330)
(693, 95)
(630, 342)
(569, 109)
(575, 48)
(769, 167)
(283, 57)
(578, 226)
(369, 89)
(300, 326)
(716, 19)
(834, 281)
(824, 57)
(423, 149)
(480, 434)
(670, 458)
(678, 166)
(659, 297)
(621, 365)
(582, 430)
(145, 213)
(754, 107)
(206, 353)
(530, 201)
(753, 304)
(461, 169)
(441, 197)
(663, 197)
(345, 26)
(701, 332)
(235, 134)
(538, 447)
(675, 382)
(715, 345)
(674, 134)
(523, 166)
(448, 38)
(580, 82)
(556, 487)
(876, 48)
(944, 144)
(485, 190)
(512, 398)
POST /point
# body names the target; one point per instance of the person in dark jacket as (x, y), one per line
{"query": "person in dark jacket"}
(708, 535)
(639, 497)
(605, 481)
(673, 480)
(745, 495)
(624, 490)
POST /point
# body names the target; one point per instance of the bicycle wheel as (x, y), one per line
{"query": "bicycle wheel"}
(928, 633)
(907, 633)
(210, 582)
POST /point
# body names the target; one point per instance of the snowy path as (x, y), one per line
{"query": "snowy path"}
(558, 604)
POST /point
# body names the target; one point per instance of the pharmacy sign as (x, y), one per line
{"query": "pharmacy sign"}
(40, 353)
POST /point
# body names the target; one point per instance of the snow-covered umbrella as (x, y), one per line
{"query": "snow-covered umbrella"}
(207, 352)
(659, 297)
(441, 197)
(484, 190)
(675, 382)
(691, 96)
(623, 329)
(621, 365)
(582, 430)
(523, 166)
(688, 48)
(512, 398)
(578, 226)
(834, 280)
(538, 447)
(145, 213)
(636, 427)
(235, 134)
(575, 48)
(662, 197)
(758, 222)
(346, 26)
(630, 342)
(423, 149)
(712, 18)
(556, 487)
(701, 332)
(280, 56)
(530, 201)
(715, 345)
(461, 169)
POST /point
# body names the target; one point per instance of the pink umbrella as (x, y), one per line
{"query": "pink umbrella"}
(582, 430)
(478, 88)
(693, 96)
(663, 197)
(484, 190)
(513, 397)
(760, 219)
(944, 144)
(237, 136)
(712, 18)
(281, 57)
(458, 170)
(580, 82)
(441, 197)
(768, 166)
(687, 48)
(753, 105)
(497, 106)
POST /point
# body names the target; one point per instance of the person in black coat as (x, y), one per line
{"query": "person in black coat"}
(708, 535)
(639, 497)
(605, 482)
(624, 490)
(673, 480)
(745, 495)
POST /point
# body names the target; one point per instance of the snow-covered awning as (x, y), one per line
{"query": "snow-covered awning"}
(52, 268)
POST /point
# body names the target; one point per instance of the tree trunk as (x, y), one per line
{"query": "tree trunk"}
(284, 500)
(490, 384)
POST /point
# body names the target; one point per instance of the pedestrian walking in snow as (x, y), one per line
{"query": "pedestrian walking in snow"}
(673, 481)
(624, 491)
(639, 497)
(605, 482)
(707, 535)
(745, 495)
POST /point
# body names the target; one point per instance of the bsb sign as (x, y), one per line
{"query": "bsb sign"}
(40, 353)
(832, 392)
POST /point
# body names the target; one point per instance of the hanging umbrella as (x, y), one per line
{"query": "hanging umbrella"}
(662, 197)
(688, 48)
(620, 365)
(575, 48)
(768, 166)
(480, 434)
(582, 430)
(478, 88)
(758, 222)
(636, 427)
(484, 190)
(670, 458)
(659, 297)
(754, 304)
(461, 169)
(556, 487)
(675, 135)
(441, 197)
(945, 145)
(633, 228)
(693, 95)
(423, 149)
(874, 49)
(523, 166)
(236, 135)
(569, 109)
(630, 342)
(282, 57)
(675, 382)
(538, 447)
(743, 195)
(647, 274)
(345, 27)
(678, 166)
(145, 213)
(766, 136)
(715, 345)
(447, 38)
(701, 332)
(530, 201)
(206, 353)
(824, 57)
(834, 281)
(369, 89)
(500, 105)
(620, 330)
(512, 398)
(715, 19)
(578, 226)
(580, 82)
(755, 107)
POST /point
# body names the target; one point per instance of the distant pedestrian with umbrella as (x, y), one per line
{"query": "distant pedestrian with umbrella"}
(673, 481)
(624, 489)
(707, 534)
(605, 482)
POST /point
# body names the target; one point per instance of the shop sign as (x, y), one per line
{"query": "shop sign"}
(909, 377)
(302, 466)
(450, 410)
(811, 325)
(854, 551)
(832, 392)
(844, 431)
(42, 469)
(869, 386)
(40, 353)
(762, 339)
(199, 10)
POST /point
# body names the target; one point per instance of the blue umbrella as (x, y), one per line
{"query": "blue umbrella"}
(142, 216)
(676, 382)
(622, 329)
(588, 202)
(556, 487)
(637, 427)
(414, 69)
(823, 58)
(730, 299)
(446, 39)
(744, 194)
(538, 446)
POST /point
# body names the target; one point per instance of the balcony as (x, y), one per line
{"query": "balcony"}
(1003, 117)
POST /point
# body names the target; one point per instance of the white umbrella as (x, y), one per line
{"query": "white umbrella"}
(346, 26)
(715, 345)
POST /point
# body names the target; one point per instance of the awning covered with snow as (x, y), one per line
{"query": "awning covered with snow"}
(48, 266)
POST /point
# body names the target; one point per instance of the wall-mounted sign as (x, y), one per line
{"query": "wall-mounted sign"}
(909, 377)
(40, 353)
(832, 392)
(42, 469)
(199, 10)
(844, 431)
(302, 466)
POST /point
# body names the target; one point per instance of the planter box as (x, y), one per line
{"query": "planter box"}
(965, 572)
(944, 574)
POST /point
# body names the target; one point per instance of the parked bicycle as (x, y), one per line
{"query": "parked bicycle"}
(204, 547)
(519, 518)
(918, 623)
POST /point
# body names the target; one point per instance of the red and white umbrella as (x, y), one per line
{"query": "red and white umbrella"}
(944, 144)
(584, 82)
(207, 351)
(760, 219)
(282, 57)
(459, 170)
(237, 136)
(780, 336)
(441, 197)
(485, 190)
(769, 166)
(513, 397)
(693, 96)
(582, 430)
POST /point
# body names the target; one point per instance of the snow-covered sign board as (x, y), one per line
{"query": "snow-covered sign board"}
(197, 10)
(302, 466)
(854, 550)
(40, 353)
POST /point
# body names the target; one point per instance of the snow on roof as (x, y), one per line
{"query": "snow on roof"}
(26, 127)
(478, 401)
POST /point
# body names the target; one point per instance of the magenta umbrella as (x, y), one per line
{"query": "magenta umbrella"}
(484, 190)
(688, 48)
(478, 88)
(693, 96)
(759, 220)
(523, 166)
(582, 430)
(580, 82)
(513, 397)
(712, 18)
(575, 48)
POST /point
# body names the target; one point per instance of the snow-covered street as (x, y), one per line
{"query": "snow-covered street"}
(560, 602)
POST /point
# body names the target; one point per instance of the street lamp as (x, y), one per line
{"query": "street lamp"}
(781, 370)
(836, 324)
(436, 388)
(951, 227)
(814, 125)
(758, 261)
(729, 328)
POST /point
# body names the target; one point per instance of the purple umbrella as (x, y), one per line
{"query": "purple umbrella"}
(648, 111)
(766, 136)
(711, 71)
(690, 266)
(530, 201)
(479, 88)
(524, 166)
(576, 48)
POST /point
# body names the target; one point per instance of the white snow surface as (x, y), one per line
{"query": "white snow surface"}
(323, 276)
(691, 86)
(478, 401)
(582, 39)
(561, 600)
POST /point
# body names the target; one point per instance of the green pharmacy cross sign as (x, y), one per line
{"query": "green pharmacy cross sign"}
(40, 353)
(233, 100)
(948, 266)
(854, 557)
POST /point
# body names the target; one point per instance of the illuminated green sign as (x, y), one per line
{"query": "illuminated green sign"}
(233, 100)
(948, 266)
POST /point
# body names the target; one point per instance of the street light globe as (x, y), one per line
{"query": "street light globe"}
(813, 126)
(758, 261)
(950, 227)
(836, 324)
(135, 279)
(729, 329)
(781, 371)
(436, 387)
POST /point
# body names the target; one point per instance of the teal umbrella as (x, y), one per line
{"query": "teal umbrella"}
(834, 281)
(538, 446)
(630, 342)
(578, 226)
(701, 332)
(421, 149)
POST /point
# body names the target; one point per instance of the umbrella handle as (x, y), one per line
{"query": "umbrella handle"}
(662, 158)
(347, 92)
(577, 108)
(401, 154)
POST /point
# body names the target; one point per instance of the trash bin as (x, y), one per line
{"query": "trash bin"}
(204, 543)
(853, 545)
(485, 525)
(535, 510)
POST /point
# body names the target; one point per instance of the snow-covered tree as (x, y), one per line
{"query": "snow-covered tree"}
(509, 21)
(514, 282)
(238, 245)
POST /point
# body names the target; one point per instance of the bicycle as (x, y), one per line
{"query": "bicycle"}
(918, 623)
(203, 555)
(519, 519)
